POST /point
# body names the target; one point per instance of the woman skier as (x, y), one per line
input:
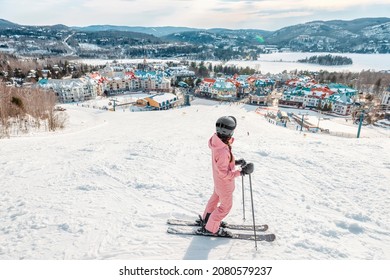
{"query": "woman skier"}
(224, 173)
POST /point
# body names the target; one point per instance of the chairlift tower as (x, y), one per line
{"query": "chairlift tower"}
(360, 123)
(114, 103)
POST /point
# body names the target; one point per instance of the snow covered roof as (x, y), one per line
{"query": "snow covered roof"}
(341, 98)
(144, 74)
(221, 84)
(69, 83)
(340, 88)
(163, 97)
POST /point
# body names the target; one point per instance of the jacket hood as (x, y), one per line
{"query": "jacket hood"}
(216, 143)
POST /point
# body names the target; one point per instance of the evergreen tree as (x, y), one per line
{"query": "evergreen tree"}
(377, 85)
(319, 104)
(10, 72)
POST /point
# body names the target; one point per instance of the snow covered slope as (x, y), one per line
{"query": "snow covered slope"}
(104, 187)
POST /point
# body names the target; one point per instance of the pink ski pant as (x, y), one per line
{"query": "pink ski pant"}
(218, 212)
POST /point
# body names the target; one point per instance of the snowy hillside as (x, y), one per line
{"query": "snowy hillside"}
(104, 187)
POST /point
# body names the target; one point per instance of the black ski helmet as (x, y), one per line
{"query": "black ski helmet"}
(225, 126)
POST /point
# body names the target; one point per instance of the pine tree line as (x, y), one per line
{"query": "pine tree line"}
(327, 60)
(204, 70)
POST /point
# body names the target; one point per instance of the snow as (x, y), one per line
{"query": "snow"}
(107, 102)
(104, 187)
(336, 125)
(86, 46)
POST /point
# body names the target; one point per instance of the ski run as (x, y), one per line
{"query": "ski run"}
(105, 186)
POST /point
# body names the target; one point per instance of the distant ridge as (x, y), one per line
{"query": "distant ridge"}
(7, 24)
(363, 35)
(354, 25)
(156, 31)
(335, 36)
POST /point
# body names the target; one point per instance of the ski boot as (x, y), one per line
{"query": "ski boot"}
(222, 232)
(203, 223)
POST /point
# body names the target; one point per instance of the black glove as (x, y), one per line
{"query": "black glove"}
(247, 169)
(240, 161)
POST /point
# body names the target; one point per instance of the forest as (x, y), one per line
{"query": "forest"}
(329, 60)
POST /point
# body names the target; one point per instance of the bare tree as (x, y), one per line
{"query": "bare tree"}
(23, 109)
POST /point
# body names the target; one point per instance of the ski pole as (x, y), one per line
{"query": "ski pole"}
(253, 211)
(243, 198)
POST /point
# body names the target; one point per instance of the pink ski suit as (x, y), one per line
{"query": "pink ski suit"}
(224, 173)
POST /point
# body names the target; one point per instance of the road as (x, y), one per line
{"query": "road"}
(70, 50)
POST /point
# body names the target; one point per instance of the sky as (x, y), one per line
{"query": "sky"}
(235, 14)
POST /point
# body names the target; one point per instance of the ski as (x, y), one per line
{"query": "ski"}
(232, 235)
(195, 223)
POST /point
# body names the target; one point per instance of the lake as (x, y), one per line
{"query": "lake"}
(278, 62)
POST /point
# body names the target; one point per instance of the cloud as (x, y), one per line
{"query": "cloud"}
(243, 1)
(317, 5)
(282, 14)
(262, 14)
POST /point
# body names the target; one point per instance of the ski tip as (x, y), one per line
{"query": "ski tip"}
(171, 230)
(271, 237)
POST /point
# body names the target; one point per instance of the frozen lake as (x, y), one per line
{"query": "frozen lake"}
(278, 62)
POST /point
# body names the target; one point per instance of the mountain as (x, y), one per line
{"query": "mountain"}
(63, 40)
(329, 28)
(365, 35)
(358, 24)
(156, 31)
(7, 24)
(360, 35)
(219, 36)
(114, 37)
(58, 27)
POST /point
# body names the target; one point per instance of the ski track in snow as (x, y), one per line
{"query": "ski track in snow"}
(104, 187)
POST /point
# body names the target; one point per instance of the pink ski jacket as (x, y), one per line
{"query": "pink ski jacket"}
(223, 167)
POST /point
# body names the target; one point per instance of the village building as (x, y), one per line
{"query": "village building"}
(99, 82)
(224, 90)
(306, 93)
(138, 80)
(162, 101)
(385, 101)
(179, 71)
(340, 103)
(243, 87)
(292, 98)
(206, 86)
(71, 90)
(340, 88)
(259, 97)
(237, 86)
